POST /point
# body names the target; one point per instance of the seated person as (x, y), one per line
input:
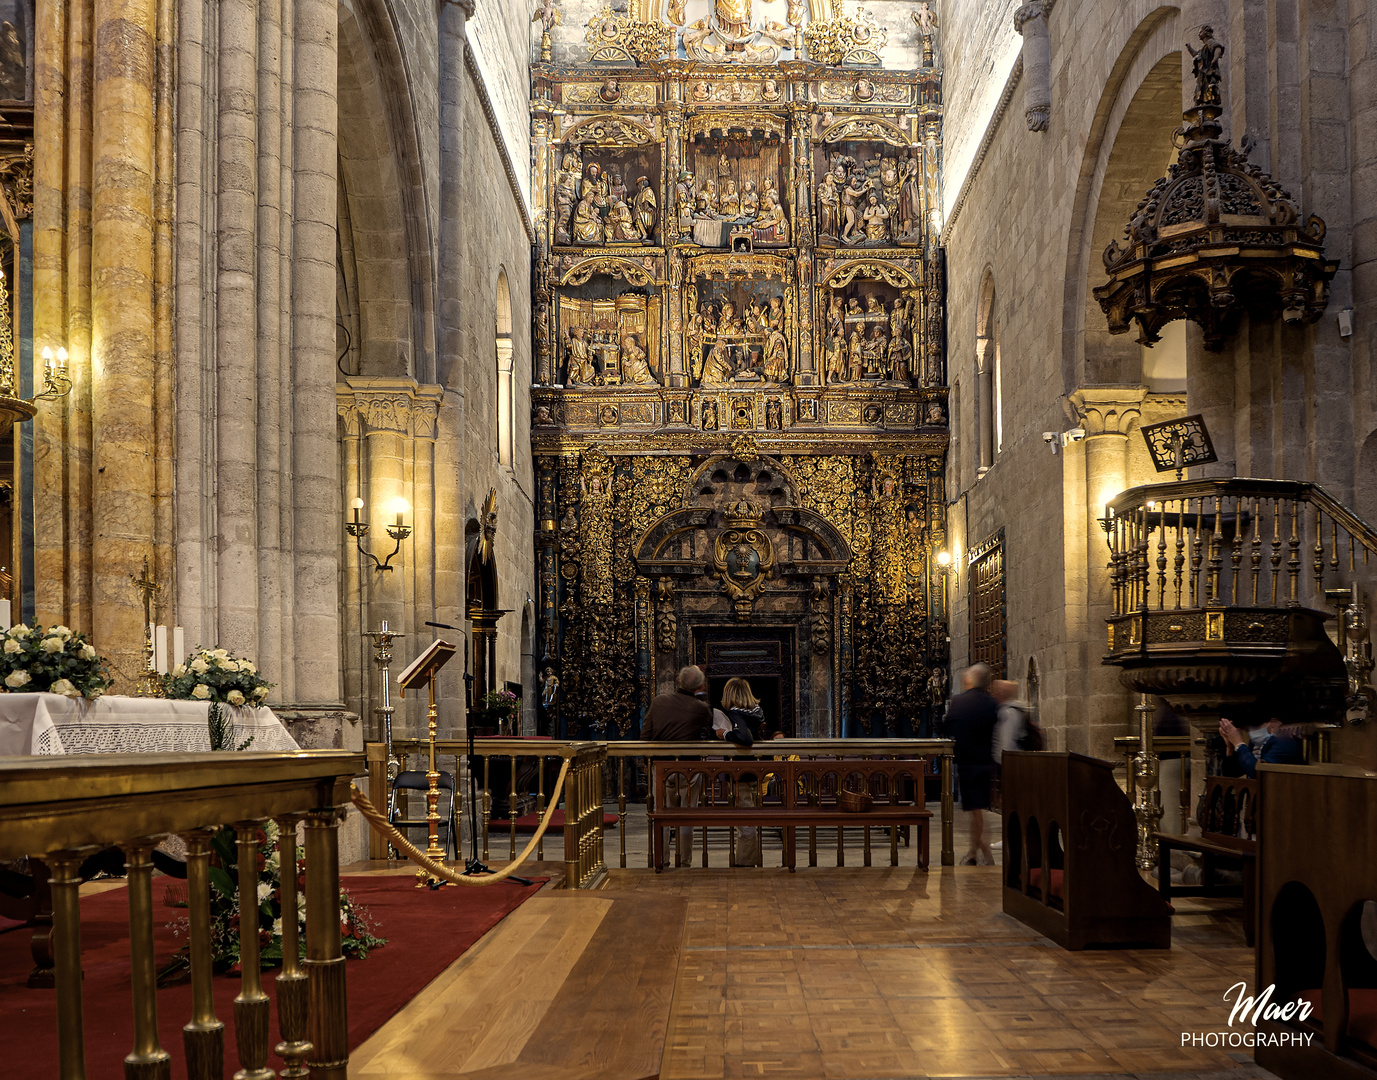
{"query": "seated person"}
(1258, 740)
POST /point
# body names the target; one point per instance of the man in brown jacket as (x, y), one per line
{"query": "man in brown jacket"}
(680, 717)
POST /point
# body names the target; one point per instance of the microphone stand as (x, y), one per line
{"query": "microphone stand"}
(474, 866)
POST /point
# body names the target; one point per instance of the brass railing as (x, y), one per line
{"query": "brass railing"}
(62, 810)
(583, 824)
(583, 842)
(1198, 544)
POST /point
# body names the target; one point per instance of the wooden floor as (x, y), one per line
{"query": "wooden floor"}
(825, 973)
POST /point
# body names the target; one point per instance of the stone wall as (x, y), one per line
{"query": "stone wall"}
(1287, 402)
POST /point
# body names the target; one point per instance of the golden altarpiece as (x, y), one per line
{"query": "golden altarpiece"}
(740, 411)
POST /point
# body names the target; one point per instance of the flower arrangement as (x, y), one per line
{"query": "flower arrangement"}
(215, 675)
(500, 709)
(358, 933)
(55, 661)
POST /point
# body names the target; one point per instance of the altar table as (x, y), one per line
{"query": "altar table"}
(53, 724)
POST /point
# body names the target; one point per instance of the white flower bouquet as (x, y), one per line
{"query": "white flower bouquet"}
(215, 675)
(55, 661)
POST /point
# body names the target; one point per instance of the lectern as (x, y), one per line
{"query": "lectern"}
(422, 672)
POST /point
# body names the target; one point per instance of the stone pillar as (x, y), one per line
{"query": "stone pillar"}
(1210, 392)
(984, 405)
(1108, 414)
(317, 517)
(1031, 21)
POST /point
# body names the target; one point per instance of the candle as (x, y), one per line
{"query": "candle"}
(4, 614)
(356, 505)
(178, 645)
(160, 649)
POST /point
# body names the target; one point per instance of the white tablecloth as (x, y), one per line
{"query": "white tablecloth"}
(53, 724)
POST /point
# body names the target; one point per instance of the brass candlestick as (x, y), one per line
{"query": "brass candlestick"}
(150, 682)
(424, 879)
(1147, 791)
(382, 642)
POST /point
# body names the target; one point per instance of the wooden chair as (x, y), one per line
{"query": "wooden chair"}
(1070, 842)
(1317, 866)
(1228, 832)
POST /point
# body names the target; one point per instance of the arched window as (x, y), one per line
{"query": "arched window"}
(988, 419)
(506, 402)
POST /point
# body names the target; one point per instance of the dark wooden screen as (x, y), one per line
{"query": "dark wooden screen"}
(988, 631)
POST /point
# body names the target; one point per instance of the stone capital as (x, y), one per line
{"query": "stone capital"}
(1027, 13)
(1106, 410)
(373, 405)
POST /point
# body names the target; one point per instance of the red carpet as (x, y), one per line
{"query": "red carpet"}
(425, 932)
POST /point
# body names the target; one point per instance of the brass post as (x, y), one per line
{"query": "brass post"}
(511, 806)
(148, 1060)
(571, 826)
(328, 1018)
(540, 805)
(621, 808)
(1147, 801)
(487, 800)
(433, 849)
(948, 814)
(251, 1006)
(291, 980)
(203, 1039)
(71, 1039)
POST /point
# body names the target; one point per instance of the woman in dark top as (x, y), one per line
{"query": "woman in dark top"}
(743, 709)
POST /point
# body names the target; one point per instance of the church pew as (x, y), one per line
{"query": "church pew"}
(1070, 842)
(1228, 831)
(1317, 866)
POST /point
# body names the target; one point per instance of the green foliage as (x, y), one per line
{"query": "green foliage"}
(55, 661)
(215, 675)
(222, 730)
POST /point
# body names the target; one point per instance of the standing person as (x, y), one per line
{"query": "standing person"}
(680, 717)
(1012, 729)
(971, 718)
(744, 711)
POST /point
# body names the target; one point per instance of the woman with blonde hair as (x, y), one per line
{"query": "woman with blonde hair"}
(747, 724)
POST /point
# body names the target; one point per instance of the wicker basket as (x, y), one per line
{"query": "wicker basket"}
(854, 802)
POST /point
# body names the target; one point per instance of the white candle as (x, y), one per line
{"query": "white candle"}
(178, 645)
(4, 614)
(160, 649)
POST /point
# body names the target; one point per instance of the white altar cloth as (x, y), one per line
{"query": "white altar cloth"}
(53, 724)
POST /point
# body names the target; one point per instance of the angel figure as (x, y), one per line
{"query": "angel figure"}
(925, 19)
(547, 15)
(676, 12)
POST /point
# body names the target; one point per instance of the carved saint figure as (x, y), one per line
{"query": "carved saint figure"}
(621, 225)
(864, 91)
(729, 206)
(874, 305)
(588, 227)
(578, 361)
(610, 92)
(855, 361)
(566, 189)
(634, 367)
(647, 209)
(770, 91)
(777, 358)
(1205, 67)
(853, 198)
(889, 183)
(836, 316)
(549, 688)
(829, 207)
(924, 18)
(755, 317)
(771, 227)
(733, 17)
(596, 181)
(616, 190)
(835, 367)
(876, 221)
(750, 200)
(910, 198)
(900, 348)
(683, 196)
(873, 350)
(717, 369)
(774, 319)
(709, 416)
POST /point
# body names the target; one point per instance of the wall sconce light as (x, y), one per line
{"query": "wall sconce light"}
(947, 566)
(399, 531)
(56, 384)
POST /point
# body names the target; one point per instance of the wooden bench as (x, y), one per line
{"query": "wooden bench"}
(801, 795)
(1070, 845)
(1228, 831)
(1317, 867)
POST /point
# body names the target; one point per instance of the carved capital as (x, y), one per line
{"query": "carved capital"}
(402, 407)
(1107, 410)
(1026, 14)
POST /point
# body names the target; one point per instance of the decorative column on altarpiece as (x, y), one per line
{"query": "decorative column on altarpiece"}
(542, 121)
(801, 173)
(846, 648)
(930, 122)
(673, 118)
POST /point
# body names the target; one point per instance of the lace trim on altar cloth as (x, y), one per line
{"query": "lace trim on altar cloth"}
(127, 738)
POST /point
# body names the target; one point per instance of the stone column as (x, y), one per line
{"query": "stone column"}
(1108, 414)
(1031, 21)
(984, 407)
(1210, 392)
(316, 517)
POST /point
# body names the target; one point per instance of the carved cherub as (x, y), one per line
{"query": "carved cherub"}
(547, 15)
(925, 20)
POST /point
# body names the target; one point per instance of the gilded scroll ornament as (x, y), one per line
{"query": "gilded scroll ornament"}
(612, 37)
(608, 131)
(742, 557)
(595, 527)
(844, 40)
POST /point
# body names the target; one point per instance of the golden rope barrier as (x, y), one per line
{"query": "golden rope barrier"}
(439, 869)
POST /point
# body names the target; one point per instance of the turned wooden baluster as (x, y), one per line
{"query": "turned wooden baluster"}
(1293, 561)
(1236, 552)
(291, 981)
(1276, 549)
(1319, 559)
(203, 1038)
(1256, 558)
(1180, 548)
(148, 1060)
(1162, 557)
(251, 1006)
(1197, 547)
(328, 1020)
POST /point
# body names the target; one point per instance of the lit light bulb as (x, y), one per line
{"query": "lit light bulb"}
(356, 504)
(400, 507)
(61, 356)
(47, 356)
(943, 558)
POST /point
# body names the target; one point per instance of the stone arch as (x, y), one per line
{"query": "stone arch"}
(1152, 48)
(389, 244)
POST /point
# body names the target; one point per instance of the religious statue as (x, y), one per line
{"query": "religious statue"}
(709, 416)
(596, 181)
(889, 183)
(750, 200)
(864, 91)
(588, 227)
(549, 688)
(621, 226)
(718, 368)
(836, 316)
(683, 197)
(701, 90)
(566, 189)
(935, 414)
(876, 218)
(771, 227)
(578, 361)
(635, 370)
(776, 357)
(616, 190)
(925, 20)
(610, 92)
(1205, 67)
(733, 17)
(774, 414)
(754, 321)
(873, 350)
(855, 360)
(829, 207)
(774, 319)
(853, 197)
(834, 368)
(647, 209)
(770, 90)
(910, 198)
(900, 348)
(729, 206)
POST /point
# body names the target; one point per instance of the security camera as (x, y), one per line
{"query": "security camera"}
(1076, 434)
(1050, 438)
